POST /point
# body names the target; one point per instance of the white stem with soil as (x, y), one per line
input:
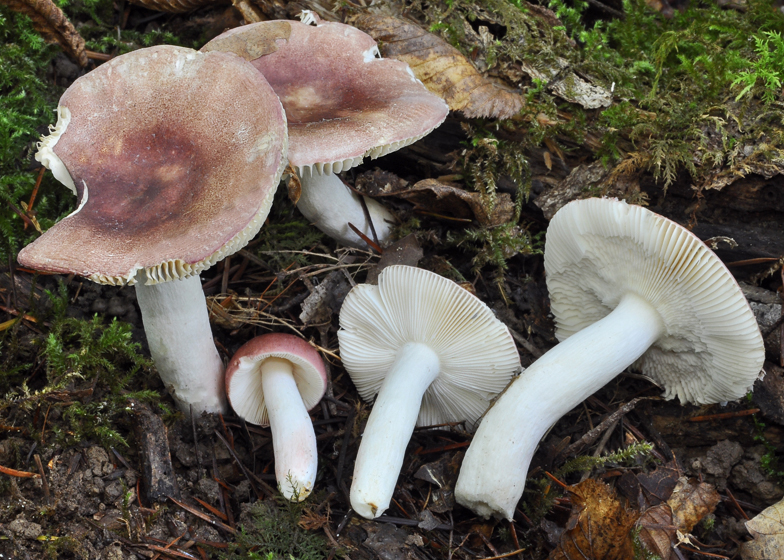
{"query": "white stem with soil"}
(330, 205)
(389, 428)
(293, 438)
(177, 326)
(492, 476)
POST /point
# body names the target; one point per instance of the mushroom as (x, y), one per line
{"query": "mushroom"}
(175, 156)
(273, 380)
(626, 286)
(429, 352)
(343, 103)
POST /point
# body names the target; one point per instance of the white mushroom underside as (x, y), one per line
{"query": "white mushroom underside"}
(711, 350)
(476, 351)
(429, 352)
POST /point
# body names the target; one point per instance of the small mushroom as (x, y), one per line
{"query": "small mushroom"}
(626, 286)
(175, 156)
(343, 103)
(429, 352)
(273, 380)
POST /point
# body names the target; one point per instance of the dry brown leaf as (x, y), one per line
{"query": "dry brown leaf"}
(767, 528)
(599, 527)
(657, 532)
(689, 503)
(441, 67)
(174, 6)
(446, 201)
(54, 27)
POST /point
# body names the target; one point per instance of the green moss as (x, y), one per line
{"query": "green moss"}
(27, 104)
(90, 367)
(274, 534)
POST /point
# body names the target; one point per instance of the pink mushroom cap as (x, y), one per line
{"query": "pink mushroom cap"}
(342, 101)
(308, 370)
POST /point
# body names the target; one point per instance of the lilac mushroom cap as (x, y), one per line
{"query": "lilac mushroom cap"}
(343, 103)
(175, 156)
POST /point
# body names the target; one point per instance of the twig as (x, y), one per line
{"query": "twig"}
(592, 435)
(724, 415)
(503, 555)
(203, 516)
(44, 483)
(18, 474)
(525, 343)
(249, 475)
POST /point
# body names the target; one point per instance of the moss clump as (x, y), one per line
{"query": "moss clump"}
(273, 532)
(27, 103)
(89, 368)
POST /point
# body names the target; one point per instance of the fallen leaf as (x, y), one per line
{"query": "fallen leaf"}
(660, 525)
(54, 27)
(767, 528)
(599, 527)
(441, 67)
(294, 185)
(690, 502)
(657, 533)
(434, 198)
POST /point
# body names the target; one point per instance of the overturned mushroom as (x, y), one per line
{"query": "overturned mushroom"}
(626, 286)
(428, 352)
(343, 103)
(175, 156)
(273, 380)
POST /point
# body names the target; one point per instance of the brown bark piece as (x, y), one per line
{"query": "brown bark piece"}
(599, 526)
(441, 67)
(54, 27)
(157, 471)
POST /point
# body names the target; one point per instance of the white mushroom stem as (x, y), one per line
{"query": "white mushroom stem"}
(330, 205)
(177, 326)
(293, 438)
(493, 472)
(389, 428)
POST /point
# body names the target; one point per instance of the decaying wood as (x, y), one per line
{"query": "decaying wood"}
(159, 481)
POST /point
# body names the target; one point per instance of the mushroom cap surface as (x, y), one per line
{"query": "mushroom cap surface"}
(175, 156)
(342, 101)
(243, 377)
(476, 352)
(597, 250)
